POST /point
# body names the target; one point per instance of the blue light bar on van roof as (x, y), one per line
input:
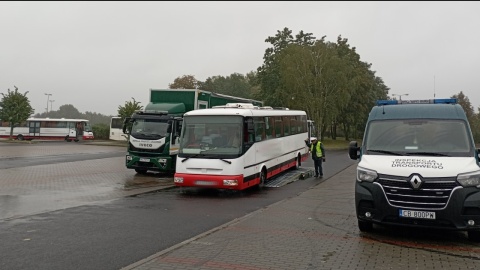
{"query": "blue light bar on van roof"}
(420, 101)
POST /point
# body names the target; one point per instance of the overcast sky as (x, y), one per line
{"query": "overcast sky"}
(98, 55)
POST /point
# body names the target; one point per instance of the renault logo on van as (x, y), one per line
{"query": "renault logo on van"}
(416, 182)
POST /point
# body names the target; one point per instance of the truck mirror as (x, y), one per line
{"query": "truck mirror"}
(353, 150)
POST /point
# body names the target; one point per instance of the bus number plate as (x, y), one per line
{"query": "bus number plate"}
(417, 214)
(204, 183)
(144, 160)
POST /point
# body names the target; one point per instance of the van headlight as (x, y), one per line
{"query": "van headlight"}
(366, 175)
(471, 179)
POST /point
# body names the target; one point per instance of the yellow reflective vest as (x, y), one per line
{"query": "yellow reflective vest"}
(318, 149)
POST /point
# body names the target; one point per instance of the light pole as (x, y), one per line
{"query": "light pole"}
(48, 98)
(399, 96)
(51, 101)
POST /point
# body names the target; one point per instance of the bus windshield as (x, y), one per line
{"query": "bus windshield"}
(150, 129)
(212, 136)
(88, 128)
(418, 137)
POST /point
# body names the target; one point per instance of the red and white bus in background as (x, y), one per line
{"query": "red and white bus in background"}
(49, 129)
(210, 156)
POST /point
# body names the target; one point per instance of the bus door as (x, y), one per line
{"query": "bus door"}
(80, 127)
(34, 128)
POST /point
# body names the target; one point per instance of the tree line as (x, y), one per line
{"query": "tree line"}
(326, 79)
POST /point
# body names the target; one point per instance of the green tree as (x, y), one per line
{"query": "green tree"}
(323, 78)
(235, 84)
(15, 108)
(184, 82)
(473, 118)
(129, 108)
(269, 77)
(69, 111)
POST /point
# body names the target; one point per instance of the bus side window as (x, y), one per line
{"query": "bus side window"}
(249, 131)
(259, 129)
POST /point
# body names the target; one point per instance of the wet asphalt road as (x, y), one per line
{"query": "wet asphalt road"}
(71, 208)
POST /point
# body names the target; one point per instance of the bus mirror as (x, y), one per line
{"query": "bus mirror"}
(353, 150)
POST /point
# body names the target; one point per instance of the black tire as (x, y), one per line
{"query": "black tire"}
(298, 162)
(76, 140)
(365, 226)
(474, 236)
(20, 137)
(263, 178)
(141, 171)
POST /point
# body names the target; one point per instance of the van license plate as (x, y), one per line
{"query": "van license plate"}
(144, 160)
(417, 214)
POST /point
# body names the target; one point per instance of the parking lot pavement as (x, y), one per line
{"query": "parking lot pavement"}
(315, 230)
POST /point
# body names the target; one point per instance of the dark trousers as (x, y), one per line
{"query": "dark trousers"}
(317, 163)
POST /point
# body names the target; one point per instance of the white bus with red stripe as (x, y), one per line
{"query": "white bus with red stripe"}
(49, 129)
(272, 141)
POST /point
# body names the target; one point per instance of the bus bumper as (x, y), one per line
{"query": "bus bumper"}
(234, 182)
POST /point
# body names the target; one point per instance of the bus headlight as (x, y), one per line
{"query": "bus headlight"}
(228, 182)
(178, 180)
(471, 179)
(129, 158)
(366, 175)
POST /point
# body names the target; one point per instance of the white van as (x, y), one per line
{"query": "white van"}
(418, 167)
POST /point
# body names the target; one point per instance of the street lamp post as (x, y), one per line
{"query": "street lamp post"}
(51, 101)
(399, 96)
(48, 98)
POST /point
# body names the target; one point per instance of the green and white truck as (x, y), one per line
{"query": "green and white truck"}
(154, 132)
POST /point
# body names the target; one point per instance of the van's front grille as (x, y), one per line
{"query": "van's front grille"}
(433, 193)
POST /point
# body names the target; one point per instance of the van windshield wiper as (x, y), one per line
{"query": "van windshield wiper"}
(385, 152)
(428, 154)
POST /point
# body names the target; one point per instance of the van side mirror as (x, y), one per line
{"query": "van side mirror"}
(353, 150)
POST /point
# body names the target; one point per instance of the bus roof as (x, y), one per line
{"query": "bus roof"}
(57, 119)
(244, 112)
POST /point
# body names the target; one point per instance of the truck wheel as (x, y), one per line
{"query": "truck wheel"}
(141, 171)
(365, 226)
(474, 236)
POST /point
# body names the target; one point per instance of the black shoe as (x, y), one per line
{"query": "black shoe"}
(316, 175)
(321, 175)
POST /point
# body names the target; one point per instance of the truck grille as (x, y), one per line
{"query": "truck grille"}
(155, 151)
(433, 194)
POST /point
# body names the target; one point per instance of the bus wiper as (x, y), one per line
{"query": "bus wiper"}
(428, 154)
(385, 152)
(196, 155)
(227, 161)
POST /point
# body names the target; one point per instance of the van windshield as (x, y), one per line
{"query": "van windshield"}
(425, 137)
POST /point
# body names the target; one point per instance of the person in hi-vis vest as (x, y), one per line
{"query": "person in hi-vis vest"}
(318, 156)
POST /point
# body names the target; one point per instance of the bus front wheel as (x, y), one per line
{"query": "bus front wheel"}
(20, 137)
(263, 178)
(298, 162)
